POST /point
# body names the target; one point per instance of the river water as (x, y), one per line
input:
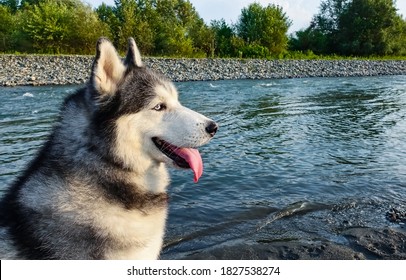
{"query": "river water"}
(294, 159)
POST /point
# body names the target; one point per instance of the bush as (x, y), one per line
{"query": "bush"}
(6, 28)
(255, 51)
(55, 26)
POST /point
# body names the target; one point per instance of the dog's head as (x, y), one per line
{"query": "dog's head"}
(140, 111)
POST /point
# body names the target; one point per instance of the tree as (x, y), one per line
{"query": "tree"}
(144, 31)
(29, 2)
(6, 28)
(126, 12)
(59, 26)
(197, 31)
(160, 27)
(222, 38)
(264, 26)
(398, 32)
(12, 5)
(84, 30)
(108, 16)
(179, 29)
(354, 27)
(276, 25)
(310, 39)
(202, 38)
(368, 27)
(327, 20)
(46, 25)
(321, 36)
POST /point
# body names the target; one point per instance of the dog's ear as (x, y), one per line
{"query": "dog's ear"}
(108, 68)
(133, 57)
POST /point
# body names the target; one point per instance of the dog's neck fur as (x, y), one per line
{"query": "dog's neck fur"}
(147, 174)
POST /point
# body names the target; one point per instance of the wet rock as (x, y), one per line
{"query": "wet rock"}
(395, 215)
(360, 243)
(377, 243)
(279, 250)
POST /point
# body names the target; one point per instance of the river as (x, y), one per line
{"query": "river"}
(293, 160)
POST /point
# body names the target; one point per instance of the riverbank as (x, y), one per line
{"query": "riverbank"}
(62, 70)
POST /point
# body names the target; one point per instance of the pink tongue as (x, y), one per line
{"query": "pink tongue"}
(192, 156)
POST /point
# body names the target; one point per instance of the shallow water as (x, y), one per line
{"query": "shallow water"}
(294, 159)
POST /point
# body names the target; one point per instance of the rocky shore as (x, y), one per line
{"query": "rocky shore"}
(61, 70)
(363, 243)
(306, 236)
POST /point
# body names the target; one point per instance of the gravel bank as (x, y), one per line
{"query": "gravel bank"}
(61, 70)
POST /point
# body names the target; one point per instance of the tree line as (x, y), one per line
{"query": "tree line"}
(354, 28)
(174, 28)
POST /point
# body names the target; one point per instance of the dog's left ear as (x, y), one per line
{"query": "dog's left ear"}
(108, 68)
(133, 57)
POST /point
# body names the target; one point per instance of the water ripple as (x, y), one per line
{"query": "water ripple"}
(291, 157)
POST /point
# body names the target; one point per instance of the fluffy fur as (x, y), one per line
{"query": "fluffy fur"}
(97, 188)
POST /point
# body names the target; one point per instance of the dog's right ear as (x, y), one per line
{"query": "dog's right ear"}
(133, 57)
(108, 69)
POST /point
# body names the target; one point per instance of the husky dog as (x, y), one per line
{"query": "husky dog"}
(97, 188)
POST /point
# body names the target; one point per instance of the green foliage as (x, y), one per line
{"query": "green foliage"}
(84, 30)
(180, 30)
(12, 5)
(203, 39)
(367, 27)
(354, 28)
(174, 28)
(254, 50)
(126, 12)
(310, 39)
(300, 55)
(46, 26)
(237, 46)
(264, 26)
(164, 28)
(56, 26)
(6, 28)
(160, 28)
(107, 15)
(222, 38)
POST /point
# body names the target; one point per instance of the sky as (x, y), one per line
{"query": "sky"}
(300, 12)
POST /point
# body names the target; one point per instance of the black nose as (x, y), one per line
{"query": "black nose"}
(212, 128)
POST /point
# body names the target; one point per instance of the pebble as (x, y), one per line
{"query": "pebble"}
(21, 70)
(396, 215)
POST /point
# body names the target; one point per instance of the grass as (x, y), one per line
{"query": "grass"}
(289, 55)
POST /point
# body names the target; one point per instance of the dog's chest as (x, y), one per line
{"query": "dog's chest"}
(136, 234)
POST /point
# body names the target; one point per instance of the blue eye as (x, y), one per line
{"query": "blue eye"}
(160, 107)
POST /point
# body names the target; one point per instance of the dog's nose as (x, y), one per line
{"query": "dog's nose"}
(211, 128)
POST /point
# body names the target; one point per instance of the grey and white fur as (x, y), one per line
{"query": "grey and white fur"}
(97, 188)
